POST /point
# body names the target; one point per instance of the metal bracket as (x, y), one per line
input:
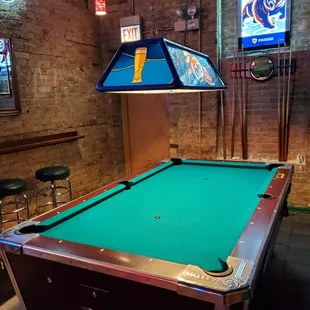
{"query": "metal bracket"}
(12, 242)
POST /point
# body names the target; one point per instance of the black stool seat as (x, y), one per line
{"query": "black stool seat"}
(52, 173)
(10, 187)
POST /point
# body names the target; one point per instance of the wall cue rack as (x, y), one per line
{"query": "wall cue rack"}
(32, 143)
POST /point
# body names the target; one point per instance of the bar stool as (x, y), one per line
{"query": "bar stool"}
(50, 175)
(13, 188)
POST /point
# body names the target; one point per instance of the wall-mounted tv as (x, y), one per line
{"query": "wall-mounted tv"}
(263, 24)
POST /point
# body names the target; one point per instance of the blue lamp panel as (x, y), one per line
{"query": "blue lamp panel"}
(140, 65)
(193, 69)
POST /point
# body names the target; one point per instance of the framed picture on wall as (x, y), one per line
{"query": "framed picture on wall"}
(9, 94)
(263, 24)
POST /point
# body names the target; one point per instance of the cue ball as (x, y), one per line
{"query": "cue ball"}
(157, 217)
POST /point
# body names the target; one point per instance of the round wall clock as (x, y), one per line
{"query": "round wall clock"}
(261, 68)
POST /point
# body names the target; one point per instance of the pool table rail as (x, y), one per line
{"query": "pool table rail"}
(187, 280)
(247, 258)
(265, 217)
(12, 242)
(73, 203)
(257, 241)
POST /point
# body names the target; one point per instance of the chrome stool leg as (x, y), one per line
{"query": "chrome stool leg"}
(70, 188)
(0, 215)
(16, 208)
(24, 202)
(13, 201)
(52, 191)
(54, 194)
(38, 198)
(37, 204)
(27, 206)
(21, 204)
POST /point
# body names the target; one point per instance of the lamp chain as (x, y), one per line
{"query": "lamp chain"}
(185, 32)
(154, 30)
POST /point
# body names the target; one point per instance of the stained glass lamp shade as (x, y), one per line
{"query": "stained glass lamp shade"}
(159, 66)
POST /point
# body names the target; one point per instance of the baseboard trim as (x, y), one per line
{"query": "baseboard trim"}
(304, 210)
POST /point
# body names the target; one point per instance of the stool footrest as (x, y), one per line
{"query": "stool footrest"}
(50, 203)
(63, 193)
(20, 202)
(14, 211)
(14, 220)
(53, 191)
(62, 202)
(46, 192)
(13, 203)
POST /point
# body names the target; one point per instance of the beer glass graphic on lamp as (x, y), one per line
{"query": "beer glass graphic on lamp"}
(140, 57)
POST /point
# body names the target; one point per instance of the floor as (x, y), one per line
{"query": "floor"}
(286, 283)
(12, 304)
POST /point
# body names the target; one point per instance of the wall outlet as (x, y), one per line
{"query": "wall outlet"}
(180, 25)
(193, 24)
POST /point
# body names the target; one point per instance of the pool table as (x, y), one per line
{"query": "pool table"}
(180, 233)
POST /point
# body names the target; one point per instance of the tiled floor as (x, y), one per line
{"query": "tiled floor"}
(286, 283)
(12, 304)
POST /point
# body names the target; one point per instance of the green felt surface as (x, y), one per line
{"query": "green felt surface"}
(82, 206)
(150, 173)
(203, 210)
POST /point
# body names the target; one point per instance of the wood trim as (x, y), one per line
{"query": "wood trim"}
(32, 143)
(126, 136)
(9, 112)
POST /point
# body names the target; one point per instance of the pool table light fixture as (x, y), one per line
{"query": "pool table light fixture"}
(100, 7)
(157, 66)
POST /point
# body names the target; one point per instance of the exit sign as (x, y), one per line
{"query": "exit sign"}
(130, 33)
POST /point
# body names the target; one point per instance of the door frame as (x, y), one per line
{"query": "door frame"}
(126, 136)
(126, 131)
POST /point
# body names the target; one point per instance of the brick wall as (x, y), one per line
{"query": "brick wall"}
(61, 52)
(261, 98)
(58, 64)
(263, 124)
(262, 101)
(183, 109)
(300, 40)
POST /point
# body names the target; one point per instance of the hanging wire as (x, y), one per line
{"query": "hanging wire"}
(132, 7)
(186, 19)
(153, 14)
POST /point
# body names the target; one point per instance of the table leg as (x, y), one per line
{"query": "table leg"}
(221, 307)
(246, 305)
(12, 277)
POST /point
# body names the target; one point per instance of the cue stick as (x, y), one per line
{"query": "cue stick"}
(288, 106)
(244, 107)
(223, 125)
(279, 105)
(240, 105)
(233, 110)
(283, 103)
